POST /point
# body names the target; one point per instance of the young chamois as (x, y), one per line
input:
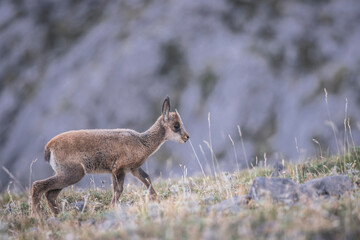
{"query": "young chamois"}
(117, 151)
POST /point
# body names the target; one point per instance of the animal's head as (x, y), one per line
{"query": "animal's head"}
(174, 128)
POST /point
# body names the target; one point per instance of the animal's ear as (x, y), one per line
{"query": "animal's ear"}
(166, 108)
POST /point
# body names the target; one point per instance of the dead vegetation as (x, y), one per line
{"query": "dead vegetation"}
(193, 208)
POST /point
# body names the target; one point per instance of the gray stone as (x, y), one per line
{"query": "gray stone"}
(278, 189)
(279, 169)
(286, 191)
(327, 186)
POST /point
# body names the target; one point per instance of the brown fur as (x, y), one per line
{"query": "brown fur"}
(117, 151)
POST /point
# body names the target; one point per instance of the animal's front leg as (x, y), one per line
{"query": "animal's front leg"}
(118, 185)
(144, 178)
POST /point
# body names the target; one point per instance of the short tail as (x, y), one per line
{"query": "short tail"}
(47, 154)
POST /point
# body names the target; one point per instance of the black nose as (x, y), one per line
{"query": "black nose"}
(187, 137)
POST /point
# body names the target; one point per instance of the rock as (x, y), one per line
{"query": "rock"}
(233, 204)
(286, 191)
(327, 186)
(278, 189)
(279, 169)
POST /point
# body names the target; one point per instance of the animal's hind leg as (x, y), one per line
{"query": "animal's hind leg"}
(69, 175)
(38, 189)
(51, 200)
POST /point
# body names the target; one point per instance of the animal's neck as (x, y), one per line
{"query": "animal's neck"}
(154, 137)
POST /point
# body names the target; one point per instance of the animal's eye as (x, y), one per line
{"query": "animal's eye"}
(176, 126)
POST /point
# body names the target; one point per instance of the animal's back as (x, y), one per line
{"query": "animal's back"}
(97, 150)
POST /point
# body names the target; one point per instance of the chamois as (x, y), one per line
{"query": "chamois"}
(117, 151)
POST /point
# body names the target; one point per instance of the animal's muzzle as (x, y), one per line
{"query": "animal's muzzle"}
(186, 137)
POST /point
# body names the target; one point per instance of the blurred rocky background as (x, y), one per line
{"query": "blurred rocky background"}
(262, 65)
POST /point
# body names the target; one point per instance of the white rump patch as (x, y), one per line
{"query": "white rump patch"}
(52, 161)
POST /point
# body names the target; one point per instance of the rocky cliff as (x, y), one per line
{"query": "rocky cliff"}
(106, 64)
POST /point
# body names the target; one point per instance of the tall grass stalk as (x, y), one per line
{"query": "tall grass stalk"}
(346, 137)
(243, 147)
(205, 159)
(321, 156)
(186, 186)
(297, 145)
(235, 154)
(214, 159)
(265, 159)
(331, 123)
(14, 178)
(352, 139)
(63, 203)
(215, 162)
(192, 147)
(92, 182)
(9, 192)
(297, 173)
(209, 144)
(197, 158)
(318, 143)
(86, 197)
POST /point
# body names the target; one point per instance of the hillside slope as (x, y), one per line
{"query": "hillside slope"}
(195, 208)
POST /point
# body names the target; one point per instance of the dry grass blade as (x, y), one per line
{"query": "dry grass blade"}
(243, 147)
(197, 158)
(13, 178)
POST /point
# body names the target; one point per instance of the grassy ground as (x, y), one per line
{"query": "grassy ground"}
(186, 210)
